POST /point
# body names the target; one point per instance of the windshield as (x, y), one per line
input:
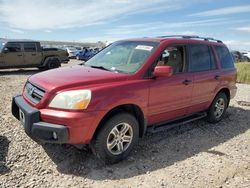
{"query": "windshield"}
(123, 56)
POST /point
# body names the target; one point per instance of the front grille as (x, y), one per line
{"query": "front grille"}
(34, 93)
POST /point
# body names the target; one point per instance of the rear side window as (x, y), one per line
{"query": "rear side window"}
(225, 57)
(13, 47)
(201, 58)
(29, 47)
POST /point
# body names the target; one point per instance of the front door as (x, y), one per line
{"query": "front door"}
(170, 97)
(13, 55)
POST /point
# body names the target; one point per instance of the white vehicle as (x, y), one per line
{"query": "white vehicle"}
(247, 55)
(72, 51)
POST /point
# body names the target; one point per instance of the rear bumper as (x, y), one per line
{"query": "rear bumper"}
(34, 127)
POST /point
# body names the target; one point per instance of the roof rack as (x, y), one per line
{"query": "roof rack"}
(191, 37)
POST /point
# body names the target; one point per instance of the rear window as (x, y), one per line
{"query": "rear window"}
(29, 47)
(201, 58)
(225, 57)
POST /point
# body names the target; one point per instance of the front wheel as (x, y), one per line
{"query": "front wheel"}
(218, 108)
(116, 138)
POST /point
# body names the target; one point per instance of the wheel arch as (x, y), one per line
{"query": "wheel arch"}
(226, 91)
(47, 58)
(132, 109)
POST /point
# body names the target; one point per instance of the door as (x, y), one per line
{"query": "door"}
(13, 55)
(32, 56)
(2, 63)
(170, 97)
(206, 76)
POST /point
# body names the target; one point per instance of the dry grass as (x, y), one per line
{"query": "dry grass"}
(243, 72)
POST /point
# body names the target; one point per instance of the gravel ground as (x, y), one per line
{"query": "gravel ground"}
(194, 155)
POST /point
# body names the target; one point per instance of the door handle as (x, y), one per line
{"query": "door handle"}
(20, 55)
(33, 54)
(217, 77)
(187, 82)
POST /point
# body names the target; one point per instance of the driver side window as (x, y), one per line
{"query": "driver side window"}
(13, 47)
(173, 56)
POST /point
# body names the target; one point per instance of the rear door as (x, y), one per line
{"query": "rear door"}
(32, 55)
(13, 57)
(170, 97)
(206, 76)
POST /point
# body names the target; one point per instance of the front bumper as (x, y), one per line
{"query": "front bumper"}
(34, 127)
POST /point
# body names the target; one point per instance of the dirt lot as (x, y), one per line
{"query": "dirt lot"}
(194, 155)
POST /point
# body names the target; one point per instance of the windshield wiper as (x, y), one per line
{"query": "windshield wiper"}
(99, 67)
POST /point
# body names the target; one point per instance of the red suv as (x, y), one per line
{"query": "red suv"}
(130, 87)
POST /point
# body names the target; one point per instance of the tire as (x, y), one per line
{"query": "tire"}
(111, 149)
(53, 63)
(218, 108)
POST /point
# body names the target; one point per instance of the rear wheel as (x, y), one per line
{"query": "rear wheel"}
(218, 108)
(53, 63)
(116, 138)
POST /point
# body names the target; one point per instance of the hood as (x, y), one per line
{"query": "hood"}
(75, 76)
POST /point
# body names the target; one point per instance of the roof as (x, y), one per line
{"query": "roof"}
(16, 40)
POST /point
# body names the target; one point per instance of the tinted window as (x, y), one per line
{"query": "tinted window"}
(173, 56)
(29, 47)
(13, 47)
(200, 58)
(225, 57)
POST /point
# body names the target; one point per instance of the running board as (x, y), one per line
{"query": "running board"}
(176, 123)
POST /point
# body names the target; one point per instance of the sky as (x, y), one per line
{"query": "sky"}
(110, 20)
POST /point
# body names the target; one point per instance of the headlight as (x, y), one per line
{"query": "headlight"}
(75, 100)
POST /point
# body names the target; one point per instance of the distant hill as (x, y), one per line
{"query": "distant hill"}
(65, 43)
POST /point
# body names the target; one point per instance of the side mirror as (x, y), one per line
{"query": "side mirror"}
(163, 71)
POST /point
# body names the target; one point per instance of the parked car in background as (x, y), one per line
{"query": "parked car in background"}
(19, 54)
(128, 88)
(238, 56)
(72, 51)
(246, 56)
(86, 53)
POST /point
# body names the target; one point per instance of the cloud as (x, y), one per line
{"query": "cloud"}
(237, 44)
(60, 14)
(244, 29)
(224, 11)
(16, 31)
(161, 26)
(47, 31)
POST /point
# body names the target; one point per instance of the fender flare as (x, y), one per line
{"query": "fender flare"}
(48, 58)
